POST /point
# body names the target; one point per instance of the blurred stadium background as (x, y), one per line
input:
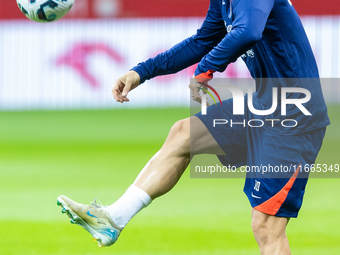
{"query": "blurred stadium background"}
(62, 133)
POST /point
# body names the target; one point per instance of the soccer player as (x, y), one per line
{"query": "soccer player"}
(270, 38)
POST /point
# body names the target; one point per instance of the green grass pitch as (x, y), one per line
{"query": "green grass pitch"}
(87, 154)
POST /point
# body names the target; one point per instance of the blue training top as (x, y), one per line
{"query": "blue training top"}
(270, 38)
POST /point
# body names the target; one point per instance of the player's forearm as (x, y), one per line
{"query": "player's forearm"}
(180, 56)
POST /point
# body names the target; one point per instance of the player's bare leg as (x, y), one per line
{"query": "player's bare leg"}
(164, 170)
(270, 233)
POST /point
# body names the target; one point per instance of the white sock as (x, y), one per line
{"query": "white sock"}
(128, 205)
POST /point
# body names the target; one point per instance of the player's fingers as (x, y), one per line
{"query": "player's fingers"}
(206, 89)
(192, 94)
(116, 91)
(196, 95)
(198, 99)
(195, 91)
(127, 87)
(195, 88)
(191, 90)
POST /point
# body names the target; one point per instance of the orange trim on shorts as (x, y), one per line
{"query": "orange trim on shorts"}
(272, 205)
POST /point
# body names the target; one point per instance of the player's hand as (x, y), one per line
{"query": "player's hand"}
(124, 84)
(195, 89)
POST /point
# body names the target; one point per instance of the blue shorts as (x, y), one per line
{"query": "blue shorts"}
(275, 181)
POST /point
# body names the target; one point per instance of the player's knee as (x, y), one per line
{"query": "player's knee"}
(180, 134)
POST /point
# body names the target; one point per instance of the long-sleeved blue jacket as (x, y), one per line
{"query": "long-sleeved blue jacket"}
(268, 35)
